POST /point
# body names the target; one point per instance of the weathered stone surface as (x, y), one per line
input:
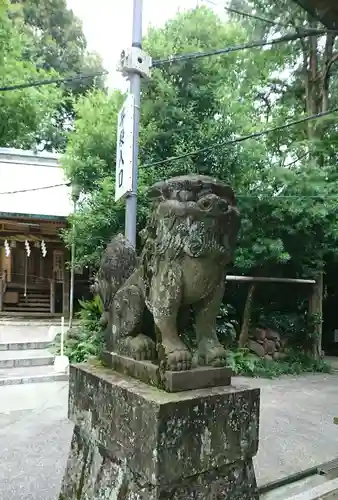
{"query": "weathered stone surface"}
(270, 347)
(177, 285)
(257, 348)
(94, 474)
(259, 334)
(200, 377)
(272, 335)
(133, 441)
(267, 344)
(197, 378)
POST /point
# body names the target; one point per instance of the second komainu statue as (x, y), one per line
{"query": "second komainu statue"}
(178, 281)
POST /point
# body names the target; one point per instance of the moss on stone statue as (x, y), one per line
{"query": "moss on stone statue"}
(159, 445)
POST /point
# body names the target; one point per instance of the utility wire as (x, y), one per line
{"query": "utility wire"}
(239, 196)
(254, 135)
(34, 189)
(227, 50)
(160, 62)
(255, 16)
(269, 196)
(286, 196)
(40, 83)
(272, 22)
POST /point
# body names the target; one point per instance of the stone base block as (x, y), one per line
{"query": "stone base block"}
(135, 442)
(200, 377)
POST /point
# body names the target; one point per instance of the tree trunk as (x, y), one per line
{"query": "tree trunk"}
(316, 310)
(244, 335)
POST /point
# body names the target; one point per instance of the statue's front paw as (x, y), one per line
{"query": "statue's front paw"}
(179, 360)
(178, 357)
(141, 347)
(212, 355)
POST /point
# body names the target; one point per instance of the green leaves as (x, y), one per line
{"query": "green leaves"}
(25, 115)
(286, 185)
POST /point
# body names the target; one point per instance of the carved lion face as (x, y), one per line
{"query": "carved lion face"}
(201, 209)
(195, 195)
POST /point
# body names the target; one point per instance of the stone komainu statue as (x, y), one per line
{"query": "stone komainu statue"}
(188, 243)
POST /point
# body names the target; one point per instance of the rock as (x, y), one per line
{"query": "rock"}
(268, 357)
(283, 343)
(132, 441)
(272, 335)
(259, 334)
(270, 347)
(256, 348)
(279, 356)
(278, 345)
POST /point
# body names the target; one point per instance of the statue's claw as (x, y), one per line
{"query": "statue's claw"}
(212, 354)
(141, 347)
(178, 356)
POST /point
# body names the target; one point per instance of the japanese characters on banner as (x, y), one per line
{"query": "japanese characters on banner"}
(124, 149)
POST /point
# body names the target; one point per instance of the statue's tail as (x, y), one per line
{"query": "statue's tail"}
(117, 264)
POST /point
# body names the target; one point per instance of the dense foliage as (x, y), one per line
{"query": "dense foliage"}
(84, 341)
(41, 39)
(25, 115)
(287, 204)
(243, 362)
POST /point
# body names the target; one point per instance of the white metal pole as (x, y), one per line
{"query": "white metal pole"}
(72, 270)
(62, 333)
(135, 89)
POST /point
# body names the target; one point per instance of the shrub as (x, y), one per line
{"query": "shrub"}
(85, 340)
(242, 362)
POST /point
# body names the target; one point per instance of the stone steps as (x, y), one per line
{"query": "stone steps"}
(35, 301)
(25, 355)
(28, 357)
(15, 321)
(23, 308)
(30, 375)
(19, 313)
(19, 346)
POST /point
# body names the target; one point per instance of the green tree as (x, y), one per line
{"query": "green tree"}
(26, 114)
(55, 41)
(288, 210)
(302, 171)
(185, 106)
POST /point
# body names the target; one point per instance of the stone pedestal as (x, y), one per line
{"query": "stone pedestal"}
(135, 442)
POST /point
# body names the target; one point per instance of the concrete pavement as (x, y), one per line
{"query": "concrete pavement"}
(35, 436)
(296, 432)
(296, 424)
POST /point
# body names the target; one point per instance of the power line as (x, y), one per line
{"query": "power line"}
(40, 83)
(160, 62)
(286, 196)
(34, 189)
(227, 50)
(273, 22)
(269, 196)
(255, 16)
(254, 135)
